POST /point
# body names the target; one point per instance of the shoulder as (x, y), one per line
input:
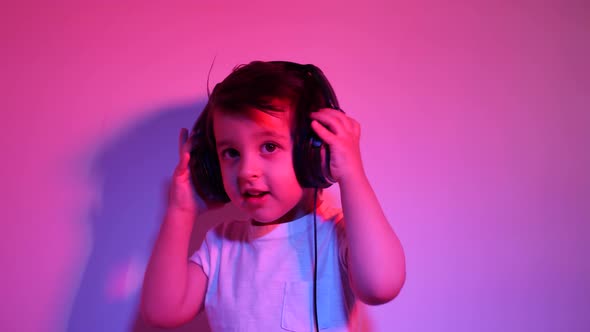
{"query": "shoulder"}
(230, 230)
(219, 224)
(333, 217)
(219, 238)
(330, 213)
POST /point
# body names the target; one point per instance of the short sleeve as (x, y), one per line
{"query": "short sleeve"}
(202, 256)
(342, 241)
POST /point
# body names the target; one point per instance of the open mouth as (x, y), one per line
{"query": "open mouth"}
(255, 196)
(258, 194)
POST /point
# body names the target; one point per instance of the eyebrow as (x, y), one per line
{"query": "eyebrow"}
(261, 134)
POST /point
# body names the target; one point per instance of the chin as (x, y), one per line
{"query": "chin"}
(264, 217)
(271, 216)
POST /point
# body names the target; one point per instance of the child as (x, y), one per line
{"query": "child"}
(271, 136)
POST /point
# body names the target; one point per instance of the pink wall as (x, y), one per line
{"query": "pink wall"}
(475, 136)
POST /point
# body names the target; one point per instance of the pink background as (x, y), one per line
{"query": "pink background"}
(475, 136)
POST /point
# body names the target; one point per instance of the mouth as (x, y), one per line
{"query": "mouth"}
(254, 193)
(255, 196)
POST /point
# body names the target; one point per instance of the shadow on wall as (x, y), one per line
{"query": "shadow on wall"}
(133, 169)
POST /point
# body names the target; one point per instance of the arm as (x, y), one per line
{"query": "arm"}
(376, 261)
(173, 288)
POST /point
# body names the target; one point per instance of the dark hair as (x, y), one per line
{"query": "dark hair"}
(256, 86)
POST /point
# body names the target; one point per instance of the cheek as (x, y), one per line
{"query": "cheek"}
(285, 175)
(227, 177)
(293, 190)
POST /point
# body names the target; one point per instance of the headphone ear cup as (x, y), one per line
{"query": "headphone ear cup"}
(311, 160)
(311, 155)
(204, 165)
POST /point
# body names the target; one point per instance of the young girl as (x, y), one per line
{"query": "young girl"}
(270, 137)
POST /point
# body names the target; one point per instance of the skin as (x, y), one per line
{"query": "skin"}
(255, 152)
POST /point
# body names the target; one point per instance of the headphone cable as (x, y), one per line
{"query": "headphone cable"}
(315, 261)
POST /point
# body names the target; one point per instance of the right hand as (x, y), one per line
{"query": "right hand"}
(182, 196)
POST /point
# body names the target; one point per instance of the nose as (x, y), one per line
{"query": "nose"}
(250, 167)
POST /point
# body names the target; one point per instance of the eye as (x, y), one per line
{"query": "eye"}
(229, 153)
(269, 147)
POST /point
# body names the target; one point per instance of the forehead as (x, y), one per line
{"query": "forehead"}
(236, 126)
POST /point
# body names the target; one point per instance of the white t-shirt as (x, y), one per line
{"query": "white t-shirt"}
(260, 278)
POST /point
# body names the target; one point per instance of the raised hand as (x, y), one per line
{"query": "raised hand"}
(182, 196)
(342, 134)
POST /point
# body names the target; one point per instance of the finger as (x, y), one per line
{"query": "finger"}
(184, 161)
(182, 139)
(352, 126)
(332, 110)
(356, 127)
(338, 115)
(329, 121)
(349, 124)
(325, 134)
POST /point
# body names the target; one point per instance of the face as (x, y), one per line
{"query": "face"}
(255, 152)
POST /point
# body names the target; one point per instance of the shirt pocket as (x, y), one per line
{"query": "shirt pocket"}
(297, 311)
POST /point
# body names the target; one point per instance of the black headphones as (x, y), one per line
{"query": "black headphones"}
(311, 158)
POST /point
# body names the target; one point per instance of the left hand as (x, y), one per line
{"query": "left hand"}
(342, 134)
